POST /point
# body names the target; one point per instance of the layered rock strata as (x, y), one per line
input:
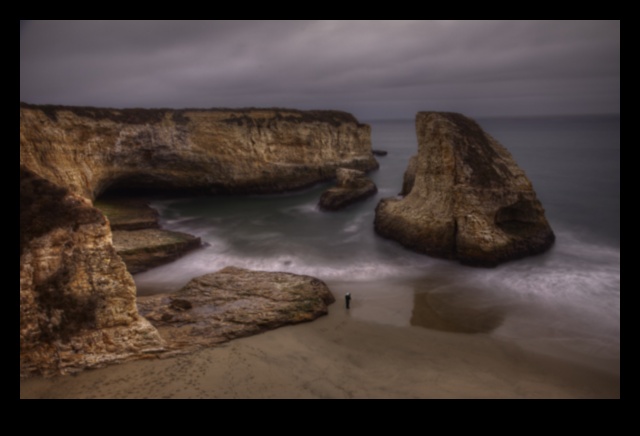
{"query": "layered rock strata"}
(144, 249)
(468, 200)
(351, 186)
(89, 150)
(128, 213)
(137, 236)
(77, 300)
(234, 302)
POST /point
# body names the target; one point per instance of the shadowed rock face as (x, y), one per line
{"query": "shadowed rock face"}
(89, 150)
(77, 300)
(465, 198)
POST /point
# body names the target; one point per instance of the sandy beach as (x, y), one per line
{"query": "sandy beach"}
(344, 355)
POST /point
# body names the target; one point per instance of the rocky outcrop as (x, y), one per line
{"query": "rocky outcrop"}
(351, 186)
(469, 200)
(137, 236)
(77, 300)
(89, 150)
(128, 213)
(144, 249)
(232, 303)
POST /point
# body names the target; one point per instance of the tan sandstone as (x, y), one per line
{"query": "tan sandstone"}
(466, 198)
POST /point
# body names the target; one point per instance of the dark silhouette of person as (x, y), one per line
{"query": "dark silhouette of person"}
(347, 299)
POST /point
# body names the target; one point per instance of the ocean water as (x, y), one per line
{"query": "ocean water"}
(565, 302)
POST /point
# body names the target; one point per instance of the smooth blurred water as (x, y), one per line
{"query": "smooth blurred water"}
(567, 300)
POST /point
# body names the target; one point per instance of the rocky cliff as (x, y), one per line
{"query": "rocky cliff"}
(89, 150)
(77, 300)
(466, 198)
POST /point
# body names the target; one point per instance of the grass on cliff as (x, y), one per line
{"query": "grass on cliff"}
(242, 116)
(334, 118)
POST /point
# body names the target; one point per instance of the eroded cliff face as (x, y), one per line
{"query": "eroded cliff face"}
(255, 151)
(77, 300)
(466, 198)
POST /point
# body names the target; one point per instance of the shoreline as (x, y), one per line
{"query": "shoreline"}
(342, 355)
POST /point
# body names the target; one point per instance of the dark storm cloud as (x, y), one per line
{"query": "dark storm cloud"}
(374, 69)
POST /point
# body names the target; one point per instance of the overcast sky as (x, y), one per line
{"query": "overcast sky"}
(374, 69)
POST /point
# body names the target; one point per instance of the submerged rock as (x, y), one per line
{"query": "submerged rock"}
(144, 249)
(77, 300)
(234, 302)
(352, 186)
(468, 199)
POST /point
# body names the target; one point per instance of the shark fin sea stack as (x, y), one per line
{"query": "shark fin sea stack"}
(468, 199)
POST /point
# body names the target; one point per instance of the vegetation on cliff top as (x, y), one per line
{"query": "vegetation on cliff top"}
(243, 116)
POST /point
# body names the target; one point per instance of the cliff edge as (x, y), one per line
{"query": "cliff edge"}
(89, 150)
(465, 198)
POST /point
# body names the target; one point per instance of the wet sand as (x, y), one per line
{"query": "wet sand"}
(343, 355)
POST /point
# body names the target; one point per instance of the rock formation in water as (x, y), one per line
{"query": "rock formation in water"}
(147, 248)
(232, 303)
(351, 186)
(89, 150)
(137, 236)
(77, 300)
(468, 201)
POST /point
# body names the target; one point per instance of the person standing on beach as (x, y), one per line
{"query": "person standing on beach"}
(347, 299)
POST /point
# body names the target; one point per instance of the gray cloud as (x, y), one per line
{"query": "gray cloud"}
(374, 69)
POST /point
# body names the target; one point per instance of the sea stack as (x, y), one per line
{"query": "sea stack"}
(468, 199)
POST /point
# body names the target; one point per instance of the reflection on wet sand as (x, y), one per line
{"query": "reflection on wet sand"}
(454, 311)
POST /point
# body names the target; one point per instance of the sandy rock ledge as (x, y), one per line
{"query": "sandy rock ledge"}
(232, 303)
